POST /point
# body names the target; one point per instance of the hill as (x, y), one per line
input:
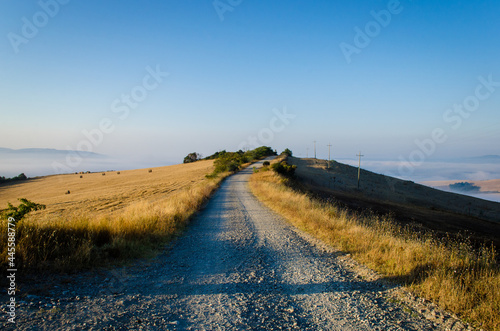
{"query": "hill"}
(40, 161)
(103, 193)
(422, 207)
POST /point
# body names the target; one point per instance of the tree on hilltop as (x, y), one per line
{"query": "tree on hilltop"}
(192, 157)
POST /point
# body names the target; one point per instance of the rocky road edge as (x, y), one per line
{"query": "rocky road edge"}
(410, 302)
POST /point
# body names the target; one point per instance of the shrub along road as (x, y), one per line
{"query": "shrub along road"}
(238, 266)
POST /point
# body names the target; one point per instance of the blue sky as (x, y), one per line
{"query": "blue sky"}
(231, 70)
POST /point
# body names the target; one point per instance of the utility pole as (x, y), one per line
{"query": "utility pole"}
(359, 166)
(329, 145)
(315, 149)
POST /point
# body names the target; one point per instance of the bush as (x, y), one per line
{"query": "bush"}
(216, 155)
(287, 152)
(261, 152)
(284, 169)
(21, 176)
(229, 162)
(248, 156)
(266, 164)
(232, 161)
(20, 211)
(192, 157)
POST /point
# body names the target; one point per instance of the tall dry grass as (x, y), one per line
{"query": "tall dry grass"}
(453, 275)
(84, 239)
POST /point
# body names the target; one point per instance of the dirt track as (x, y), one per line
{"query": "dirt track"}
(238, 266)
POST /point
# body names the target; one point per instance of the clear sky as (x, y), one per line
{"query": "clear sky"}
(155, 80)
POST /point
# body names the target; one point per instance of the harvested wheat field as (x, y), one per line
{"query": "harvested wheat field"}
(107, 192)
(100, 218)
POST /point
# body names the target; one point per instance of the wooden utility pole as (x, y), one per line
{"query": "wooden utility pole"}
(329, 146)
(359, 166)
(315, 149)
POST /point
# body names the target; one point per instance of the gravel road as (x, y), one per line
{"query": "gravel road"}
(239, 266)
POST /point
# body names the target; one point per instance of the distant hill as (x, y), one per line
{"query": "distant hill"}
(488, 157)
(482, 159)
(45, 152)
(39, 161)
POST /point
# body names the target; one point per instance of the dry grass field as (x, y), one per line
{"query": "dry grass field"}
(451, 274)
(104, 218)
(96, 194)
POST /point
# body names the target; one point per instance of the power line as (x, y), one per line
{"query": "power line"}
(329, 146)
(359, 166)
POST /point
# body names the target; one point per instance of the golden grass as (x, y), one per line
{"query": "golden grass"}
(105, 218)
(454, 276)
(97, 195)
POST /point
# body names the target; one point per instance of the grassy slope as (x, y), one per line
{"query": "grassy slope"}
(98, 195)
(444, 214)
(384, 188)
(465, 282)
(104, 218)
